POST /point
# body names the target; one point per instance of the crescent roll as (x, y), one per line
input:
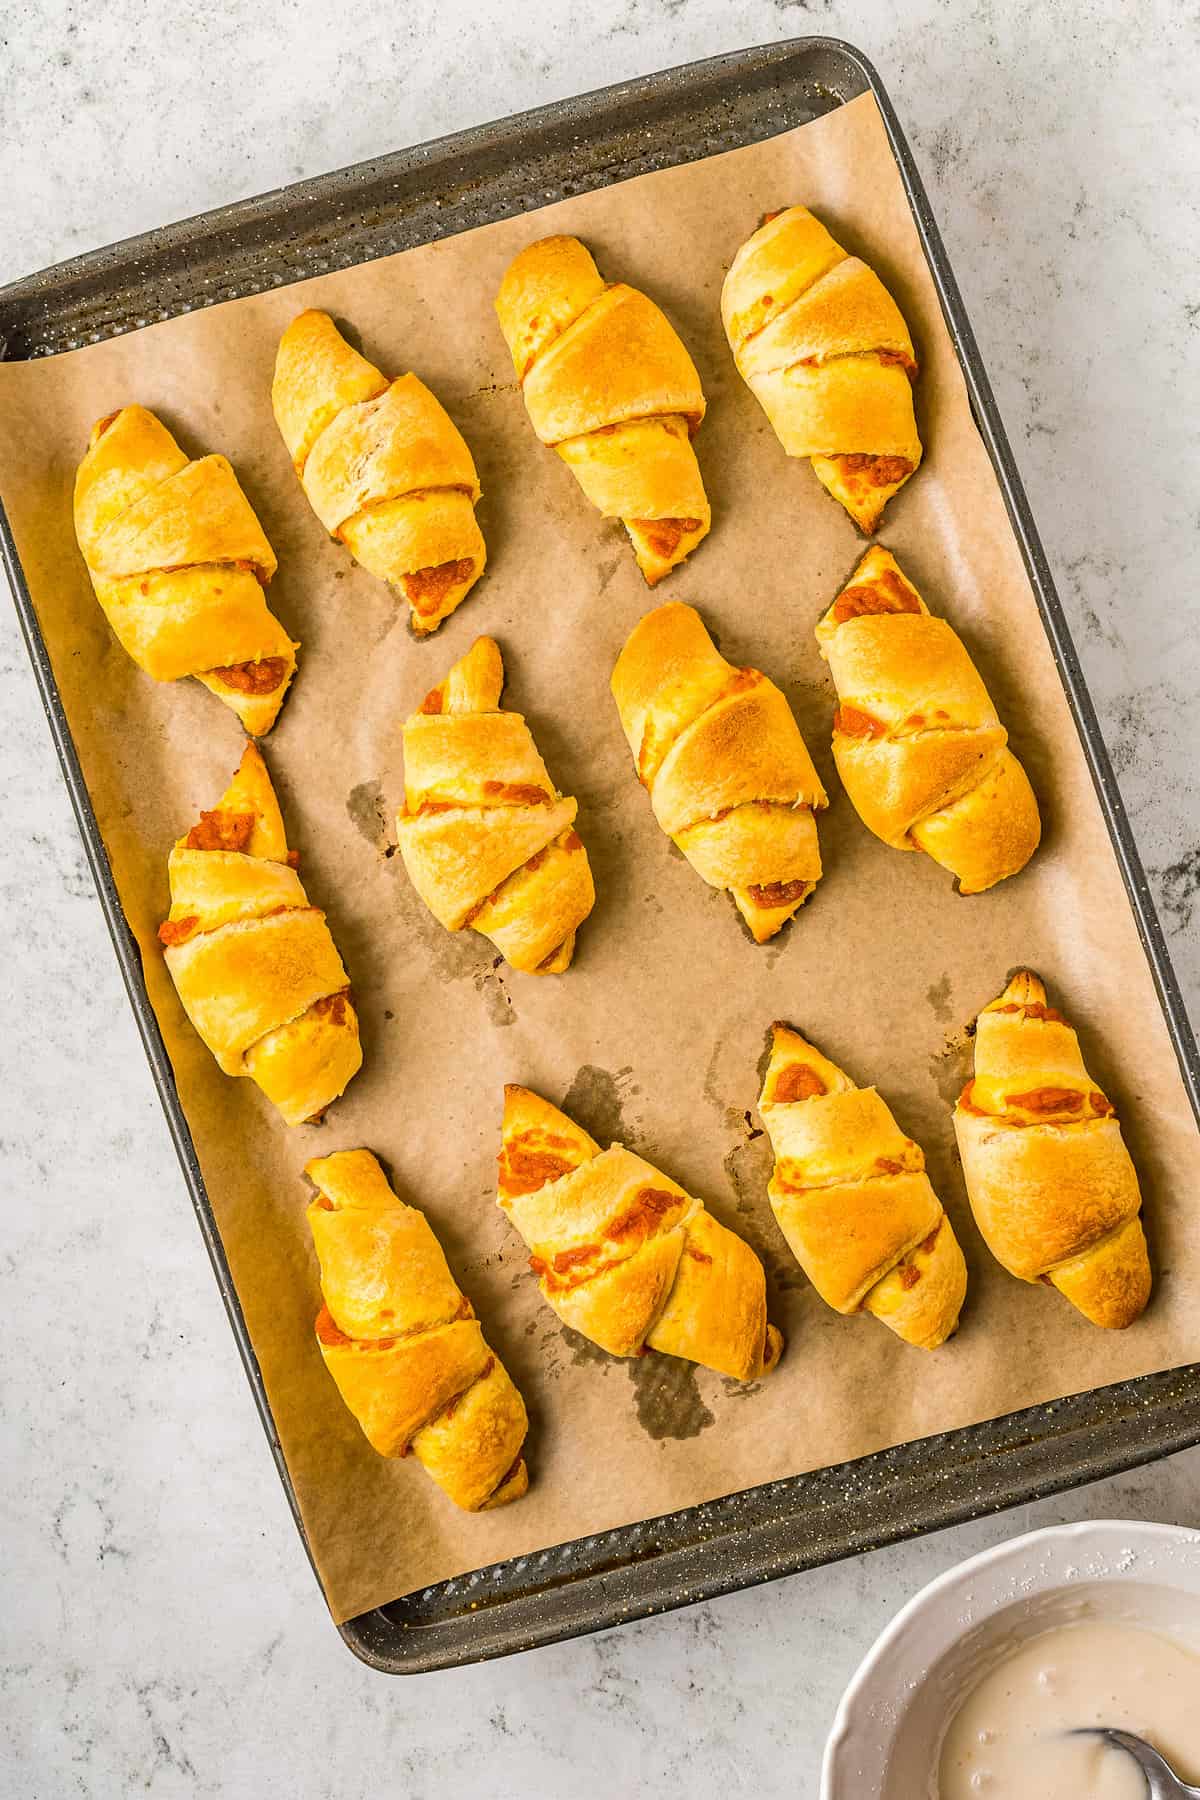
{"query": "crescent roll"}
(728, 773)
(487, 839)
(609, 385)
(823, 347)
(385, 468)
(853, 1200)
(1048, 1176)
(916, 739)
(402, 1343)
(623, 1254)
(253, 963)
(179, 562)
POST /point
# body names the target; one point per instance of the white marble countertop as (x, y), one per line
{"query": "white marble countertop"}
(160, 1630)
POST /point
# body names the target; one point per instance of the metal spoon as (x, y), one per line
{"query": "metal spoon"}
(1162, 1783)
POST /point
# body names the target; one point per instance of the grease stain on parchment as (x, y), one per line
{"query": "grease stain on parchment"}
(951, 1066)
(740, 1390)
(583, 1353)
(368, 812)
(764, 1055)
(667, 1396)
(666, 1392)
(606, 571)
(748, 1166)
(731, 1116)
(497, 1001)
(596, 1099)
(454, 955)
(938, 996)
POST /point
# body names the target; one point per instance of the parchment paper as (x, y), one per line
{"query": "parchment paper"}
(656, 1034)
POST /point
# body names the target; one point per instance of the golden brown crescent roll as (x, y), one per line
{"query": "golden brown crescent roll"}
(487, 839)
(401, 1341)
(623, 1254)
(728, 773)
(609, 385)
(823, 347)
(1048, 1176)
(253, 963)
(853, 1200)
(916, 739)
(384, 466)
(179, 563)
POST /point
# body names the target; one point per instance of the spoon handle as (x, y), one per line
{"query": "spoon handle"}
(1161, 1782)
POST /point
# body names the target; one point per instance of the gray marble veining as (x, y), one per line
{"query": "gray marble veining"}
(160, 1631)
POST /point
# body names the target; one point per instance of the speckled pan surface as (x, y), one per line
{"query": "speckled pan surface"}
(387, 205)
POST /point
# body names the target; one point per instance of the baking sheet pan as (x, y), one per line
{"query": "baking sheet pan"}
(790, 1523)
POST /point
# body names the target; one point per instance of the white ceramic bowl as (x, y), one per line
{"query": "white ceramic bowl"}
(888, 1732)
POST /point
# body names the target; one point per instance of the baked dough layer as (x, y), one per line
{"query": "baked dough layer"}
(180, 564)
(609, 385)
(402, 1342)
(385, 468)
(825, 350)
(729, 775)
(852, 1198)
(1050, 1181)
(623, 1254)
(487, 839)
(253, 963)
(917, 742)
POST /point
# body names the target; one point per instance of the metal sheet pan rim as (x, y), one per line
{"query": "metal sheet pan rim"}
(759, 1535)
(351, 176)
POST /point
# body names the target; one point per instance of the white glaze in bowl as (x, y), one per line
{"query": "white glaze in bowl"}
(889, 1727)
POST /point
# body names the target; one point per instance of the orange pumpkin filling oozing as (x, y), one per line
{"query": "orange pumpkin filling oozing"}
(523, 1169)
(177, 931)
(896, 359)
(1048, 1100)
(1047, 1103)
(797, 1082)
(219, 830)
(778, 893)
(332, 1006)
(887, 594)
(648, 1206)
(517, 793)
(876, 471)
(1033, 1010)
(852, 721)
(426, 589)
(568, 1268)
(261, 677)
(664, 536)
